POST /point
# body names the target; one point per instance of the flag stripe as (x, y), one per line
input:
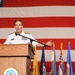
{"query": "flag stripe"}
(39, 22)
(44, 11)
(56, 41)
(22, 3)
(48, 55)
(67, 33)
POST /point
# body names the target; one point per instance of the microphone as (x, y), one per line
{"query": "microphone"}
(16, 34)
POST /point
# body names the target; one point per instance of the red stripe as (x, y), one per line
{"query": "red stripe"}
(57, 64)
(39, 22)
(24, 3)
(57, 43)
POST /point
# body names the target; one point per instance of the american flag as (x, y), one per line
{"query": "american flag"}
(61, 70)
(45, 20)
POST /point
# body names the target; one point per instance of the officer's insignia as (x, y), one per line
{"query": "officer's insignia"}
(12, 39)
(10, 71)
(26, 32)
(23, 38)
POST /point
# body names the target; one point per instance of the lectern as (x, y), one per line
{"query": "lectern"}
(15, 59)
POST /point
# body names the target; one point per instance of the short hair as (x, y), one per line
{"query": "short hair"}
(17, 21)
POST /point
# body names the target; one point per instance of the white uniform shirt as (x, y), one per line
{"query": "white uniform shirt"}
(16, 39)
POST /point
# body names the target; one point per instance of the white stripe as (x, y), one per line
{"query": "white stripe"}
(43, 32)
(48, 55)
(39, 11)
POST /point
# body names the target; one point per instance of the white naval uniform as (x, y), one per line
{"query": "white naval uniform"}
(16, 39)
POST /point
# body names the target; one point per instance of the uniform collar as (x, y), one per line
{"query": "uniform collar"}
(20, 34)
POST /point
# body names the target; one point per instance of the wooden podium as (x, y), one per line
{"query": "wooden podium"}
(17, 57)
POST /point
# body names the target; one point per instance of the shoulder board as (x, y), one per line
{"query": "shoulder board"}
(11, 33)
(26, 32)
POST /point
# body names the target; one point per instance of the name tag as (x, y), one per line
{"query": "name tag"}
(12, 39)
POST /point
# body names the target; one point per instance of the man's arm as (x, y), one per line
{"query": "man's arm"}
(49, 43)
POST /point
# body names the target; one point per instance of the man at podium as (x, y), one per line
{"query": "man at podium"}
(15, 38)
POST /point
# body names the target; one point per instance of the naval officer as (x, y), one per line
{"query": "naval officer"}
(13, 38)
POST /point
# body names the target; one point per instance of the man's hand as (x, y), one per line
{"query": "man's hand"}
(49, 43)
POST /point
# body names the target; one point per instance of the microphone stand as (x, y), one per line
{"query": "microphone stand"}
(33, 40)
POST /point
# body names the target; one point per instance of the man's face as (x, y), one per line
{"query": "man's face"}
(18, 27)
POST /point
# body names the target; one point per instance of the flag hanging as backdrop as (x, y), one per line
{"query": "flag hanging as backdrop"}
(35, 63)
(43, 65)
(45, 20)
(53, 68)
(61, 69)
(69, 70)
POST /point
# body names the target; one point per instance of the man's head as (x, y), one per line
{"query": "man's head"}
(18, 25)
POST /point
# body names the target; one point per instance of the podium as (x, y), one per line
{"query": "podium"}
(15, 59)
